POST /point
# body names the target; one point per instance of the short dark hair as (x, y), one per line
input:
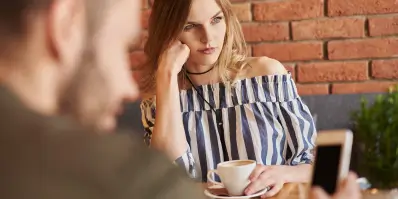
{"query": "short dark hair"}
(14, 15)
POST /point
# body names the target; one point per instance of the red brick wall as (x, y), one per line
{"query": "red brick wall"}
(330, 46)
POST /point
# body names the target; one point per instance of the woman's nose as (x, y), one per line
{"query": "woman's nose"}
(206, 36)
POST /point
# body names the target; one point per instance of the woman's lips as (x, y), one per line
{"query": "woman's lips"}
(207, 51)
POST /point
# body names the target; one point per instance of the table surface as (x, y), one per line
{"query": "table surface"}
(300, 191)
(293, 191)
(290, 191)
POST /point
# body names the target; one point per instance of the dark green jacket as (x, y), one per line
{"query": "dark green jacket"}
(54, 158)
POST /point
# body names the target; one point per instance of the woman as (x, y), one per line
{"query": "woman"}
(214, 104)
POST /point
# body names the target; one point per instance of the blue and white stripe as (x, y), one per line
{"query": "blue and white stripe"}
(263, 117)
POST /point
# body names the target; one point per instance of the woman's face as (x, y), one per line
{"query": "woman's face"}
(204, 32)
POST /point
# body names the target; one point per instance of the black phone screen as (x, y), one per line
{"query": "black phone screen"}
(327, 167)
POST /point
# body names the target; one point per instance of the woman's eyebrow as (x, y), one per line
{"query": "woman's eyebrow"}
(191, 22)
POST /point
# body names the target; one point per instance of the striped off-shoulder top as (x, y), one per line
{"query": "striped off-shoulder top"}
(262, 118)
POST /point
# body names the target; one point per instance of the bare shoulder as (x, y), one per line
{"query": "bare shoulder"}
(260, 66)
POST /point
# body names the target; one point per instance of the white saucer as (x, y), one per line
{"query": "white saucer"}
(207, 193)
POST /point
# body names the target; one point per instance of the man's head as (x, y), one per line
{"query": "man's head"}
(105, 81)
(41, 43)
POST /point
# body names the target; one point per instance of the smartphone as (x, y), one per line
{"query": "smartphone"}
(332, 158)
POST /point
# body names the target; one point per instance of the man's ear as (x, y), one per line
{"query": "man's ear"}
(62, 26)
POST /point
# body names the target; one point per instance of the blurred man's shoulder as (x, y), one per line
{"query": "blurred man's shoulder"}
(138, 171)
(118, 164)
(126, 166)
(58, 151)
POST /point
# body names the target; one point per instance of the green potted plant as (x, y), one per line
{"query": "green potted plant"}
(376, 132)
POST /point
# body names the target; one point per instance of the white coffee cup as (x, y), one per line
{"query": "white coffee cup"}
(234, 175)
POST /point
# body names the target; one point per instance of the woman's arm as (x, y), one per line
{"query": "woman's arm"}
(148, 110)
(168, 133)
(298, 173)
(299, 128)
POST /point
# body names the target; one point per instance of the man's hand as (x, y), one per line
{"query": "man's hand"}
(348, 189)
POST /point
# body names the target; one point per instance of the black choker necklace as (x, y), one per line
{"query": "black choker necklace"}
(201, 73)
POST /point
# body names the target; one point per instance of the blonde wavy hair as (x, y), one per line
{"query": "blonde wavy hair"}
(166, 23)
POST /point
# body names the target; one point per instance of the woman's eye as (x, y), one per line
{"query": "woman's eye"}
(216, 20)
(189, 27)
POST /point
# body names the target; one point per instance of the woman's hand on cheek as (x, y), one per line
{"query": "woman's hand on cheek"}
(267, 176)
(174, 58)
